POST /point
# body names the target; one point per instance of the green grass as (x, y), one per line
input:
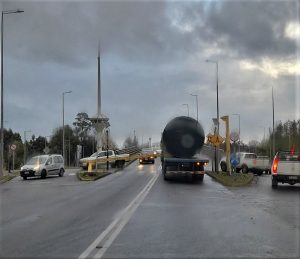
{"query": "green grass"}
(92, 176)
(8, 176)
(233, 180)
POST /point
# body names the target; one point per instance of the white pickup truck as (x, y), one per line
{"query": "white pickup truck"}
(250, 162)
(115, 159)
(286, 168)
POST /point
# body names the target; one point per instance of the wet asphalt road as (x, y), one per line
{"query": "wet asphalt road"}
(61, 217)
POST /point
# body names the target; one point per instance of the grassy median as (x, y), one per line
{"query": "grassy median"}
(8, 176)
(233, 180)
(92, 176)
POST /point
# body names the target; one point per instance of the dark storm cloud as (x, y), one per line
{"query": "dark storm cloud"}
(254, 28)
(152, 58)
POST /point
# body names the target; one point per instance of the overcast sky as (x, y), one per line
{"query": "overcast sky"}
(152, 58)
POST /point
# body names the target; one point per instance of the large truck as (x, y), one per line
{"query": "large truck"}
(181, 142)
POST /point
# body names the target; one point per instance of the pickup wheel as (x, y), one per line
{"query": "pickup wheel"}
(274, 182)
(223, 166)
(259, 172)
(245, 169)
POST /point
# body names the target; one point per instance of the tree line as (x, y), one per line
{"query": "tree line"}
(80, 132)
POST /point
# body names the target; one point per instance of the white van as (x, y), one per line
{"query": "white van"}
(42, 166)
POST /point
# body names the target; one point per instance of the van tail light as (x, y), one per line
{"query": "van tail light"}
(275, 166)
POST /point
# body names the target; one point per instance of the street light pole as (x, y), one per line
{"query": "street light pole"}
(273, 123)
(2, 112)
(218, 123)
(63, 103)
(237, 114)
(107, 163)
(24, 158)
(188, 109)
(196, 95)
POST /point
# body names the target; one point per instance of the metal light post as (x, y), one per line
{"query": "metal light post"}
(273, 123)
(107, 163)
(188, 109)
(237, 114)
(63, 103)
(196, 95)
(2, 118)
(25, 131)
(46, 140)
(218, 118)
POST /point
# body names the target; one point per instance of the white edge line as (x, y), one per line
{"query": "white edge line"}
(93, 245)
(124, 220)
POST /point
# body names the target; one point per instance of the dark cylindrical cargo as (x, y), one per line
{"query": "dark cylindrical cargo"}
(183, 137)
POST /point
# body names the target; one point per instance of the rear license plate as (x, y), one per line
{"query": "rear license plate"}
(26, 172)
(293, 177)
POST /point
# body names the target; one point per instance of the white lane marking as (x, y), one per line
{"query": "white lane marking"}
(112, 231)
(71, 174)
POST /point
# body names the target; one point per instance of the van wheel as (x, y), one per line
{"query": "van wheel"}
(61, 172)
(43, 174)
(274, 183)
(245, 169)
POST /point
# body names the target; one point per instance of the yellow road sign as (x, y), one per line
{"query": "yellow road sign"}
(215, 139)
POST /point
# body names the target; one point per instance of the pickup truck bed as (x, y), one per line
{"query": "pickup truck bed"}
(286, 168)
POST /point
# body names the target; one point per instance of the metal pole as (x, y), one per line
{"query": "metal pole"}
(188, 109)
(13, 162)
(1, 137)
(273, 123)
(2, 100)
(217, 157)
(63, 144)
(107, 163)
(196, 95)
(69, 153)
(24, 158)
(63, 115)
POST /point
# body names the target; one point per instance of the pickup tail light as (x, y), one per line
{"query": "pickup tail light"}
(275, 166)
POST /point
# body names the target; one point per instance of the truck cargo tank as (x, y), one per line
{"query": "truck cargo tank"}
(182, 137)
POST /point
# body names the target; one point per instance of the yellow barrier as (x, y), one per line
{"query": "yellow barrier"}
(90, 167)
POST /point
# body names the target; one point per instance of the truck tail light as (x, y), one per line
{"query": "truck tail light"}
(275, 166)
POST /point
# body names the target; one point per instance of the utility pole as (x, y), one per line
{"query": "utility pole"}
(273, 123)
(196, 95)
(2, 92)
(237, 114)
(218, 118)
(63, 115)
(188, 109)
(24, 158)
(107, 163)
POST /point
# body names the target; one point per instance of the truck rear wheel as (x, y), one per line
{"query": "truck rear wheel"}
(274, 182)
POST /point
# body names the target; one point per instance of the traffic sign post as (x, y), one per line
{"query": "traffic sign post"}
(227, 140)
